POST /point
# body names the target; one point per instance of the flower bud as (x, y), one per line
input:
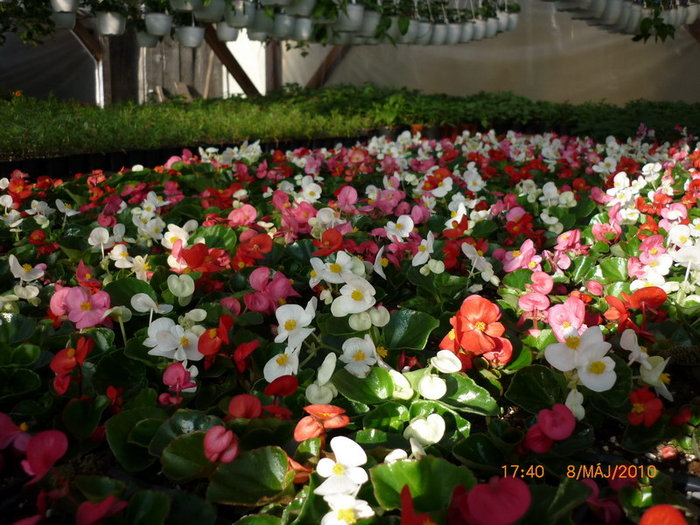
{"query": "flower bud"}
(380, 316)
(402, 388)
(426, 431)
(446, 362)
(181, 285)
(360, 322)
(432, 387)
(436, 266)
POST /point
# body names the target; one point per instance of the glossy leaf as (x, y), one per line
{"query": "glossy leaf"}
(122, 290)
(465, 395)
(183, 421)
(184, 459)
(374, 388)
(536, 387)
(82, 416)
(409, 330)
(131, 457)
(390, 416)
(148, 507)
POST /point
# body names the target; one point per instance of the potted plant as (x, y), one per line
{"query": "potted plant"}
(186, 32)
(513, 9)
(302, 8)
(370, 19)
(158, 21)
(488, 13)
(185, 5)
(239, 13)
(143, 37)
(225, 32)
(63, 19)
(350, 16)
(112, 15)
(64, 6)
(210, 11)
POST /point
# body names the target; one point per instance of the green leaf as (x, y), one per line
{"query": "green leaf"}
(614, 269)
(550, 505)
(122, 290)
(23, 355)
(82, 416)
(186, 507)
(143, 432)
(536, 387)
(484, 229)
(582, 439)
(183, 459)
(183, 421)
(409, 330)
(465, 395)
(217, 236)
(132, 457)
(255, 478)
(431, 481)
(545, 338)
(17, 382)
(479, 451)
(583, 268)
(260, 519)
(640, 439)
(518, 279)
(375, 388)
(97, 488)
(17, 330)
(390, 416)
(148, 507)
(331, 325)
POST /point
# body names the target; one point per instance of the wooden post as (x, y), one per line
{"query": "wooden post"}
(228, 60)
(273, 66)
(334, 57)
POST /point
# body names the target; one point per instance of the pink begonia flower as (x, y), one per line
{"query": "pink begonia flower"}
(232, 304)
(57, 304)
(177, 378)
(595, 288)
(269, 293)
(599, 196)
(537, 441)
(280, 200)
(86, 310)
(607, 509)
(43, 450)
(568, 241)
(542, 283)
(243, 216)
(501, 501)
(557, 423)
(673, 215)
(533, 302)
(515, 214)
(601, 232)
(635, 268)
(11, 434)
(517, 259)
(420, 214)
(187, 157)
(651, 248)
(569, 314)
(220, 444)
(347, 197)
(90, 513)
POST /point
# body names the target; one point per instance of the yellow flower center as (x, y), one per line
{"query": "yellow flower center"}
(532, 264)
(86, 306)
(596, 367)
(346, 515)
(27, 267)
(23, 427)
(359, 356)
(383, 352)
(335, 268)
(184, 341)
(313, 274)
(399, 226)
(637, 408)
(70, 352)
(290, 325)
(516, 253)
(338, 469)
(211, 333)
(282, 300)
(480, 325)
(653, 251)
(573, 342)
(422, 248)
(88, 276)
(665, 378)
(451, 335)
(357, 295)
(384, 262)
(566, 324)
(173, 239)
(282, 359)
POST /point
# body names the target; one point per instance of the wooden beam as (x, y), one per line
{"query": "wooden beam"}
(229, 61)
(334, 57)
(273, 66)
(91, 43)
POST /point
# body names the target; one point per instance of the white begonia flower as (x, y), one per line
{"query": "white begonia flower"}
(402, 387)
(326, 296)
(118, 233)
(196, 315)
(446, 362)
(317, 268)
(432, 387)
(344, 474)
(119, 313)
(380, 262)
(402, 228)
(573, 351)
(181, 285)
(120, 255)
(357, 295)
(598, 373)
(379, 316)
(550, 194)
(346, 510)
(359, 355)
(66, 208)
(40, 208)
(4, 183)
(25, 272)
(293, 321)
(679, 235)
(652, 171)
(161, 338)
(173, 234)
(435, 266)
(321, 391)
(6, 202)
(638, 354)
(100, 238)
(337, 271)
(425, 249)
(656, 377)
(574, 401)
(567, 199)
(142, 303)
(27, 293)
(141, 267)
(310, 192)
(284, 364)
(443, 188)
(360, 322)
(426, 430)
(395, 455)
(154, 228)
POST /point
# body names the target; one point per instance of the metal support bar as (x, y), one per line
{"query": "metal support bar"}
(333, 59)
(273, 66)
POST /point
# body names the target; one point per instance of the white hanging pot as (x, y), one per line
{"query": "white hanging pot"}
(502, 18)
(491, 27)
(303, 29)
(158, 24)
(479, 29)
(411, 33)
(512, 21)
(63, 20)
(302, 8)
(258, 36)
(454, 32)
(393, 29)
(370, 21)
(226, 33)
(110, 24)
(621, 23)
(357, 40)
(635, 19)
(64, 6)
(185, 5)
(693, 11)
(424, 33)
(275, 3)
(240, 15)
(342, 39)
(189, 36)
(262, 23)
(439, 35)
(467, 32)
(210, 13)
(682, 15)
(612, 12)
(351, 19)
(144, 39)
(283, 26)
(579, 7)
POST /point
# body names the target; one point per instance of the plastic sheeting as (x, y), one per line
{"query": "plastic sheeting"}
(549, 56)
(60, 66)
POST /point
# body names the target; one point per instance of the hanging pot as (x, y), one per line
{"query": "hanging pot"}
(454, 32)
(64, 6)
(424, 33)
(513, 21)
(283, 26)
(262, 23)
(110, 24)
(439, 35)
(211, 13)
(502, 17)
(258, 36)
(479, 29)
(341, 39)
(621, 23)
(189, 36)
(158, 24)
(144, 39)
(357, 40)
(351, 19)
(693, 11)
(301, 8)
(275, 3)
(491, 27)
(370, 21)
(241, 14)
(411, 33)
(612, 12)
(635, 19)
(467, 32)
(392, 31)
(185, 5)
(303, 29)
(226, 33)
(63, 20)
